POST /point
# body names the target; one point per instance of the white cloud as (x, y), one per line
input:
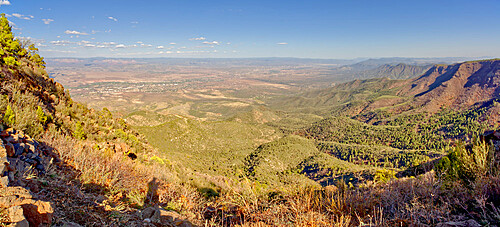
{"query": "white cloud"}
(198, 38)
(211, 43)
(89, 45)
(47, 21)
(59, 51)
(160, 47)
(20, 16)
(120, 46)
(60, 42)
(75, 32)
(173, 43)
(139, 42)
(282, 43)
(4, 2)
(112, 18)
(134, 22)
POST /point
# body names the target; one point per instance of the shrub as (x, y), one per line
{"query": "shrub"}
(9, 118)
(78, 133)
(467, 162)
(384, 175)
(42, 117)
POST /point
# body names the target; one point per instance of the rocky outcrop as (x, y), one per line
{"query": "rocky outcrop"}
(20, 157)
(154, 216)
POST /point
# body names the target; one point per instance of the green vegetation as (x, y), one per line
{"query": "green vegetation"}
(384, 175)
(469, 163)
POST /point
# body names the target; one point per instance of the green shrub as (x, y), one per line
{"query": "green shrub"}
(467, 162)
(384, 175)
(42, 117)
(78, 132)
(9, 118)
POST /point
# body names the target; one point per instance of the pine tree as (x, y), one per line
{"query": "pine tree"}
(10, 48)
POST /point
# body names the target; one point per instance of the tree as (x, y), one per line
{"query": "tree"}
(12, 50)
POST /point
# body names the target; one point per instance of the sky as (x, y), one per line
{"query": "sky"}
(335, 29)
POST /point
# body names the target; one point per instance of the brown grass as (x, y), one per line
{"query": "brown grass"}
(125, 186)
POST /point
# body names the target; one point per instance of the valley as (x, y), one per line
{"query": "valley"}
(215, 116)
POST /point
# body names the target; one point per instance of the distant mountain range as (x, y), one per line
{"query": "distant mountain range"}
(358, 63)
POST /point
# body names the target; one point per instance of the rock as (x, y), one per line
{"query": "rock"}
(468, 223)
(13, 196)
(150, 213)
(16, 216)
(7, 132)
(147, 213)
(9, 148)
(4, 162)
(169, 217)
(53, 98)
(70, 224)
(30, 147)
(3, 150)
(19, 149)
(12, 139)
(164, 217)
(38, 213)
(4, 182)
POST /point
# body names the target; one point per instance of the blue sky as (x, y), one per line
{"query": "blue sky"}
(237, 28)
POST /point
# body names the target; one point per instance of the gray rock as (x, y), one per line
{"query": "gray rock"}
(70, 224)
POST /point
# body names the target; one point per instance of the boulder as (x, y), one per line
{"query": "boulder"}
(12, 138)
(468, 223)
(148, 213)
(38, 213)
(16, 217)
(173, 218)
(4, 182)
(7, 132)
(14, 196)
(164, 217)
(9, 148)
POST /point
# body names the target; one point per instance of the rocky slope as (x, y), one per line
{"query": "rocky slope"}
(457, 86)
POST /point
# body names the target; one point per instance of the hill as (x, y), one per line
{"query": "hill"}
(456, 86)
(397, 71)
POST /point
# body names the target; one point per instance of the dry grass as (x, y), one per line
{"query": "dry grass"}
(127, 185)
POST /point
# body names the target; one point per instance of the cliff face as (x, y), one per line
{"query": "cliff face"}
(457, 86)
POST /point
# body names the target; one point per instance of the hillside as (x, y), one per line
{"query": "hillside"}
(457, 86)
(397, 71)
